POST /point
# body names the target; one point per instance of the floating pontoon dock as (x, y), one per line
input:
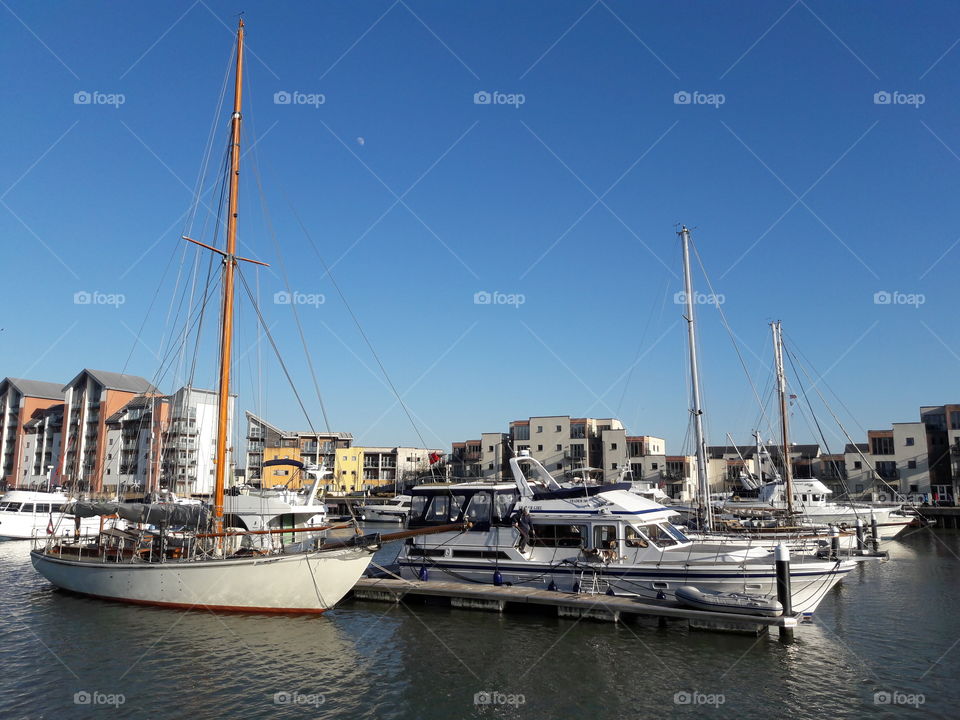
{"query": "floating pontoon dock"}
(611, 608)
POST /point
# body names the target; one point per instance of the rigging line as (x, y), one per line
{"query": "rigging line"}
(363, 334)
(216, 233)
(868, 464)
(643, 338)
(286, 281)
(822, 381)
(726, 325)
(208, 151)
(273, 344)
(816, 422)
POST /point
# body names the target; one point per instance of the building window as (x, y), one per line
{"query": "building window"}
(881, 446)
(539, 448)
(540, 428)
(914, 488)
(559, 428)
(909, 441)
(489, 448)
(559, 447)
(613, 466)
(559, 466)
(653, 466)
(912, 464)
(613, 446)
(857, 465)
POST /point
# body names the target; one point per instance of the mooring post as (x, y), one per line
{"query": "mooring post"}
(783, 589)
(861, 540)
(834, 542)
(874, 532)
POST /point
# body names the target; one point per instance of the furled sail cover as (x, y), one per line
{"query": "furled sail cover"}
(170, 514)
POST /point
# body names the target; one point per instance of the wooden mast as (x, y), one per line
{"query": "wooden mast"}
(229, 265)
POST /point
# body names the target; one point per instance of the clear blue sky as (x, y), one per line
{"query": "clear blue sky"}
(807, 196)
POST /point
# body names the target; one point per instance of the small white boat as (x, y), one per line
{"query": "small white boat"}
(396, 509)
(730, 602)
(26, 514)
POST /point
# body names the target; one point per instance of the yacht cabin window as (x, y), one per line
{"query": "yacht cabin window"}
(634, 539)
(27, 507)
(565, 536)
(605, 537)
(503, 503)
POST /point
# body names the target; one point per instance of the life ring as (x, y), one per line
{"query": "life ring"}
(736, 498)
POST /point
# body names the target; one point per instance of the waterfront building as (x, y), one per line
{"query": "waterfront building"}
(307, 446)
(90, 398)
(567, 447)
(20, 401)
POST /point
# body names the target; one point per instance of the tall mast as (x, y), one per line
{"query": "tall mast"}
(784, 420)
(229, 264)
(758, 463)
(702, 482)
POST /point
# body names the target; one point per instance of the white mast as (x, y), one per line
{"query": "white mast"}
(784, 420)
(703, 483)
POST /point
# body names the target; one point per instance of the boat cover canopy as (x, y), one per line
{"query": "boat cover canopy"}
(172, 514)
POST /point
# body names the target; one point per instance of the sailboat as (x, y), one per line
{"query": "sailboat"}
(809, 498)
(176, 555)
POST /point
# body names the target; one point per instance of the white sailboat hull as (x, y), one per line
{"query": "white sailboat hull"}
(302, 583)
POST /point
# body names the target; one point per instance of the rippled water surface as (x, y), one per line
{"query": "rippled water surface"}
(888, 628)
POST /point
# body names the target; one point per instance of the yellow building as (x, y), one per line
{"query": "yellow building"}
(347, 470)
(285, 475)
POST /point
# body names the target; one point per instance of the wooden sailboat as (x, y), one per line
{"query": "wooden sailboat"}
(195, 567)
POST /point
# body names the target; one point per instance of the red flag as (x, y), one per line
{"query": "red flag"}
(50, 526)
(435, 458)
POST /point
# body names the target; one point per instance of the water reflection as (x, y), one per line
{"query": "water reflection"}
(887, 626)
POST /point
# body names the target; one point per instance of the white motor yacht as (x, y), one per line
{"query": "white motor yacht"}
(601, 538)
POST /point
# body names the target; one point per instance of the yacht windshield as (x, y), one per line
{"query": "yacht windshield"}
(659, 536)
(676, 532)
(478, 511)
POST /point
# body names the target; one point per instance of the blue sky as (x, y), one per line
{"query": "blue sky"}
(808, 197)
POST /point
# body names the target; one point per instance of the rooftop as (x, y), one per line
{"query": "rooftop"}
(35, 388)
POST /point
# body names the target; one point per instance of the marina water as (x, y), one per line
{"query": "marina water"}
(885, 642)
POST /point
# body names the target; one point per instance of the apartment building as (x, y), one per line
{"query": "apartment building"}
(89, 399)
(134, 437)
(314, 448)
(41, 446)
(942, 425)
(20, 401)
(568, 447)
